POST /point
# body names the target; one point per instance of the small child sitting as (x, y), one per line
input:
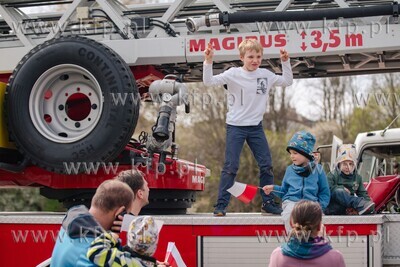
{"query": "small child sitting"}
(303, 179)
(347, 189)
(106, 249)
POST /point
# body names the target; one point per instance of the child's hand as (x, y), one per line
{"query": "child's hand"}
(268, 189)
(284, 55)
(209, 53)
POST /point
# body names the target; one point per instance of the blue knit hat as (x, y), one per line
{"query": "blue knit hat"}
(303, 142)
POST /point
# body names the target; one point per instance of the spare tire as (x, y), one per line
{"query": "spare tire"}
(62, 104)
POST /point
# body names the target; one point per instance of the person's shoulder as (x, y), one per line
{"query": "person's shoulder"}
(233, 69)
(289, 169)
(358, 176)
(320, 169)
(277, 252)
(265, 71)
(335, 254)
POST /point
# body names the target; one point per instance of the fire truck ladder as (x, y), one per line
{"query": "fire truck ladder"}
(324, 38)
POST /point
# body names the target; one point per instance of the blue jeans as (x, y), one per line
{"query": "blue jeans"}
(341, 200)
(255, 138)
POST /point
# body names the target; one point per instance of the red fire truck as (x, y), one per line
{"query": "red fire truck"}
(75, 80)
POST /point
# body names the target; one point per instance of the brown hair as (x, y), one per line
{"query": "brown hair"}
(112, 194)
(306, 218)
(248, 45)
(134, 178)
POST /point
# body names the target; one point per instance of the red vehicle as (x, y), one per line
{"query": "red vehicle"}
(75, 79)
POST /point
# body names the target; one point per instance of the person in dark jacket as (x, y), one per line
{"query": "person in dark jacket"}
(348, 194)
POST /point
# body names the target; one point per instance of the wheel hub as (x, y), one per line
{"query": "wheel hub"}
(65, 103)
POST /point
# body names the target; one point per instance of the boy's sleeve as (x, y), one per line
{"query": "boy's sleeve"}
(210, 80)
(361, 191)
(280, 191)
(286, 79)
(324, 194)
(104, 251)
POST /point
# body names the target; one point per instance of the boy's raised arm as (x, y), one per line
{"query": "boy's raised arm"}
(287, 74)
(208, 54)
(208, 78)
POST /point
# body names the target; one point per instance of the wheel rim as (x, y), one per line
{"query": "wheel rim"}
(65, 103)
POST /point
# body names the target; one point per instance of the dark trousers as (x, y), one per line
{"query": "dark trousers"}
(341, 200)
(235, 138)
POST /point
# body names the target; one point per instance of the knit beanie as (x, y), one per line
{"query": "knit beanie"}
(302, 142)
(347, 152)
(143, 235)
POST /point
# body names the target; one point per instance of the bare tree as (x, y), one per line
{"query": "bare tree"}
(386, 94)
(278, 107)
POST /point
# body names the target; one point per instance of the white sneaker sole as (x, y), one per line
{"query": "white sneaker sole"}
(361, 212)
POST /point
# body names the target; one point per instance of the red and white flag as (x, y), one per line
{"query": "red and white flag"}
(173, 257)
(243, 192)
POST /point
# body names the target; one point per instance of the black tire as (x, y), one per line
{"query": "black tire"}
(169, 201)
(52, 143)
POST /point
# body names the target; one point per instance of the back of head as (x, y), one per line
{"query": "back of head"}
(248, 45)
(306, 219)
(134, 178)
(112, 194)
(302, 142)
(347, 152)
(143, 235)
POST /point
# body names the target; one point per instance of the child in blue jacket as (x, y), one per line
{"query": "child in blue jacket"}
(304, 179)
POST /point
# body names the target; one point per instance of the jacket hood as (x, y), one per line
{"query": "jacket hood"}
(79, 222)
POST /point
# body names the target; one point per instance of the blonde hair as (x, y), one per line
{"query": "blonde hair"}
(248, 45)
(306, 218)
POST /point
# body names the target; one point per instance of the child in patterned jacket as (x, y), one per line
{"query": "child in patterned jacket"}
(106, 250)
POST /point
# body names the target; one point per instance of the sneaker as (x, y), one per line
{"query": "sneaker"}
(368, 208)
(220, 210)
(270, 208)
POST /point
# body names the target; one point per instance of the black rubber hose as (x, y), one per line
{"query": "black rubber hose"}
(308, 15)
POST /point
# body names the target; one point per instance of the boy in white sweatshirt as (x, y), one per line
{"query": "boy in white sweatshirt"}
(248, 87)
